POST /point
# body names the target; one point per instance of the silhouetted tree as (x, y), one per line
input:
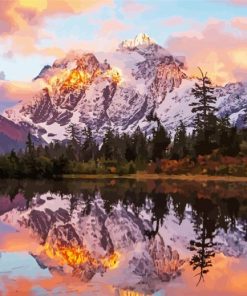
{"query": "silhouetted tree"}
(180, 145)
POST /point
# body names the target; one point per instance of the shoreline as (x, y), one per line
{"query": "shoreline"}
(145, 176)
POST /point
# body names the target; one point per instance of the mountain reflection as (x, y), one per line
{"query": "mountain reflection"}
(143, 230)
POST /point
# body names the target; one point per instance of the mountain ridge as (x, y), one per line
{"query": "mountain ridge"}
(118, 90)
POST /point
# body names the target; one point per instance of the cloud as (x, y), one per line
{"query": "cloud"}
(8, 54)
(13, 91)
(112, 26)
(15, 14)
(238, 2)
(216, 48)
(2, 75)
(131, 7)
(240, 23)
(173, 21)
(22, 23)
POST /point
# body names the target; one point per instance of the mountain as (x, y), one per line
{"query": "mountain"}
(13, 136)
(118, 90)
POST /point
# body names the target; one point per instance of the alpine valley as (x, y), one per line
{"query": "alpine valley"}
(117, 90)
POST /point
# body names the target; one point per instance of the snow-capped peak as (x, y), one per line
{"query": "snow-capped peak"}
(141, 39)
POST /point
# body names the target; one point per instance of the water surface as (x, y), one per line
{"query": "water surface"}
(123, 237)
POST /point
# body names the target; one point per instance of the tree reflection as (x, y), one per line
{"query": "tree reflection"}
(210, 207)
(204, 218)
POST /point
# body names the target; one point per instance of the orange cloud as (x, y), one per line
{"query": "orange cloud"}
(16, 14)
(173, 21)
(216, 49)
(21, 22)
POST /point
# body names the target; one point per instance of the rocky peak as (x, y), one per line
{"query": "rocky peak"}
(42, 73)
(141, 40)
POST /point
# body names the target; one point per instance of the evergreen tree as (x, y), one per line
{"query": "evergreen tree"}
(160, 138)
(180, 145)
(234, 145)
(205, 100)
(204, 218)
(73, 134)
(89, 146)
(30, 145)
(140, 144)
(205, 121)
(160, 142)
(74, 140)
(107, 148)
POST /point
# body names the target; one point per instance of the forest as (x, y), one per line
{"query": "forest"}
(214, 147)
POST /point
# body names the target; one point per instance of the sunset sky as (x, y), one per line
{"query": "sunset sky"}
(210, 33)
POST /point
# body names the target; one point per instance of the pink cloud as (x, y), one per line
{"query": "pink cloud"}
(21, 22)
(133, 7)
(111, 26)
(173, 21)
(216, 49)
(238, 2)
(15, 15)
(16, 90)
(240, 23)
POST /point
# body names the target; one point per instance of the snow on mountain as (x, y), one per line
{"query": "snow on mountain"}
(141, 39)
(118, 90)
(13, 136)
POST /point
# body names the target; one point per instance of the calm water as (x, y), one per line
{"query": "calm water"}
(123, 237)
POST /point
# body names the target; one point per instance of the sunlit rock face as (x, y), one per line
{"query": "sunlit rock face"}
(90, 89)
(87, 240)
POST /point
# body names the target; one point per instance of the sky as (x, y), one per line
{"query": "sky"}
(211, 34)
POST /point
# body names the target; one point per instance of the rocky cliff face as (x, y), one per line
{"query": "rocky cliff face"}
(118, 90)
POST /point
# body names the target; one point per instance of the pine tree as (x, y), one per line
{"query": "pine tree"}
(107, 148)
(180, 146)
(203, 246)
(73, 134)
(29, 145)
(160, 142)
(89, 146)
(74, 140)
(140, 144)
(205, 120)
(160, 138)
(205, 100)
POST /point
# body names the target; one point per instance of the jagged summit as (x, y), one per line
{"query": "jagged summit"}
(141, 39)
(118, 89)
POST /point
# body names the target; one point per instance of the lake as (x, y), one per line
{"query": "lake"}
(123, 237)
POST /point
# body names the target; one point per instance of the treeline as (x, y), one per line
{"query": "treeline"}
(126, 153)
(81, 154)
